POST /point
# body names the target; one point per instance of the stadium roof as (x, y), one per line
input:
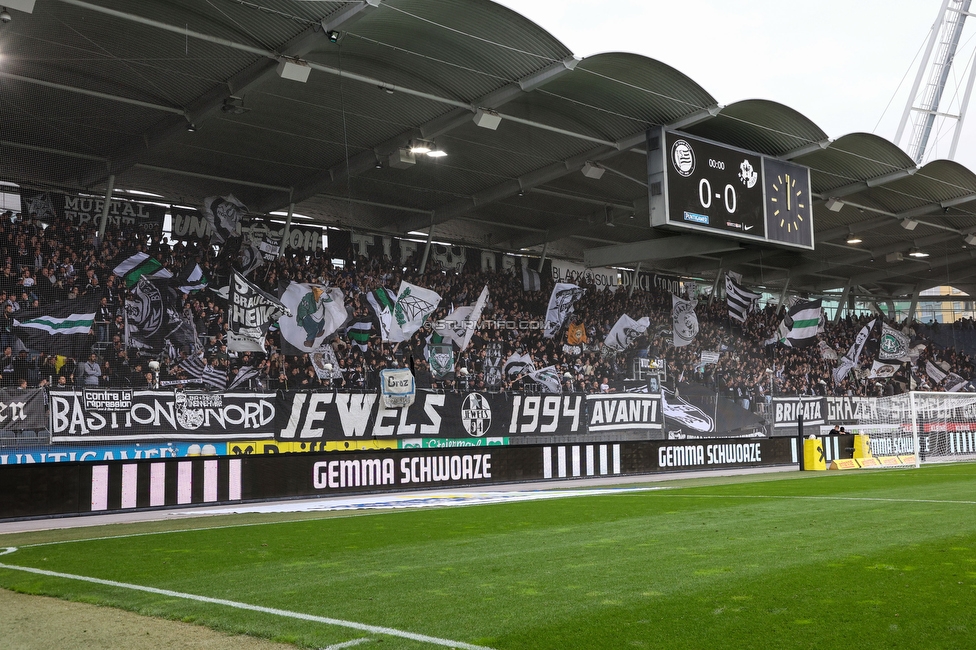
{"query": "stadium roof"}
(100, 88)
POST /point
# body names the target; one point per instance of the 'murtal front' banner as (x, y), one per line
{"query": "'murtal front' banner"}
(54, 207)
(114, 415)
(341, 416)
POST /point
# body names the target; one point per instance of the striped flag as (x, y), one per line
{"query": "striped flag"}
(359, 332)
(739, 299)
(204, 373)
(799, 328)
(132, 265)
(62, 328)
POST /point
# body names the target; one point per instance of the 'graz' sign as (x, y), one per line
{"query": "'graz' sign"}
(160, 415)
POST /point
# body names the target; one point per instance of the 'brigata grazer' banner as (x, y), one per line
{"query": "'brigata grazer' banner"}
(123, 414)
(788, 410)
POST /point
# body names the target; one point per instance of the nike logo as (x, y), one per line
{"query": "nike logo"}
(748, 227)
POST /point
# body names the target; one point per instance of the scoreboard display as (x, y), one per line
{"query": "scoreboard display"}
(710, 187)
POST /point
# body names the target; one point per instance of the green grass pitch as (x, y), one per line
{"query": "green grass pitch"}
(871, 559)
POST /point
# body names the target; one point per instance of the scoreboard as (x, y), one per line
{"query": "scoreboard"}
(706, 186)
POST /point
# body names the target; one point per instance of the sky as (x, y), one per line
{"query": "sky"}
(848, 65)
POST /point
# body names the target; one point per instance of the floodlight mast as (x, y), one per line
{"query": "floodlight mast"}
(924, 102)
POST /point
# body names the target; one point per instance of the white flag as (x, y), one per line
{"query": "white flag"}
(317, 312)
(549, 379)
(560, 306)
(881, 370)
(413, 305)
(460, 324)
(625, 331)
(934, 372)
(684, 319)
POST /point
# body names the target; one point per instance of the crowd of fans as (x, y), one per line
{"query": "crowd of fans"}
(47, 263)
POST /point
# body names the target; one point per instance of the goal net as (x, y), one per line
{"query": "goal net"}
(934, 427)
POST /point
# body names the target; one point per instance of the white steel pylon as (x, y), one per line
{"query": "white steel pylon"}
(927, 106)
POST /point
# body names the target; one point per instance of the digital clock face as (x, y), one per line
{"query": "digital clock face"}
(713, 187)
(789, 209)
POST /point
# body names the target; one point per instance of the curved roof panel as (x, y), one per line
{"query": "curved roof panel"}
(761, 125)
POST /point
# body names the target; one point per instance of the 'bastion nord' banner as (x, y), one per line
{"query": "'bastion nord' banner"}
(124, 414)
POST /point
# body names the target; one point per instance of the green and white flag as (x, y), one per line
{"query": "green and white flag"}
(131, 265)
(894, 344)
(62, 328)
(381, 301)
(440, 356)
(413, 305)
(799, 328)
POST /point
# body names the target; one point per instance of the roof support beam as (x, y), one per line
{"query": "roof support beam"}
(662, 248)
(440, 125)
(551, 172)
(210, 102)
(860, 186)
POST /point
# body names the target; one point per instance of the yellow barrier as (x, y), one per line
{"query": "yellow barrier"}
(813, 455)
(862, 448)
(845, 463)
(870, 462)
(889, 461)
(907, 460)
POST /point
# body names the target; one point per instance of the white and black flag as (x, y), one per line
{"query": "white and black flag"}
(740, 300)
(561, 306)
(625, 331)
(250, 314)
(154, 315)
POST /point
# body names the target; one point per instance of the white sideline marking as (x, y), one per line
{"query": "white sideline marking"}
(372, 629)
(347, 644)
(818, 498)
(360, 506)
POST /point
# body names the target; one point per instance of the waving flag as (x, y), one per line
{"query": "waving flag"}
(894, 344)
(685, 320)
(799, 327)
(61, 328)
(381, 301)
(625, 331)
(131, 265)
(561, 306)
(740, 300)
(315, 313)
(413, 305)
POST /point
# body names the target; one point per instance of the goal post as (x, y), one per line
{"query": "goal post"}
(934, 427)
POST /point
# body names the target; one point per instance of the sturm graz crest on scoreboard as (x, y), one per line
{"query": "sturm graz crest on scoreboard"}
(476, 415)
(683, 158)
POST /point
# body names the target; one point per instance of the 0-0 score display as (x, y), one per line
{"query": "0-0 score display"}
(695, 184)
(711, 187)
